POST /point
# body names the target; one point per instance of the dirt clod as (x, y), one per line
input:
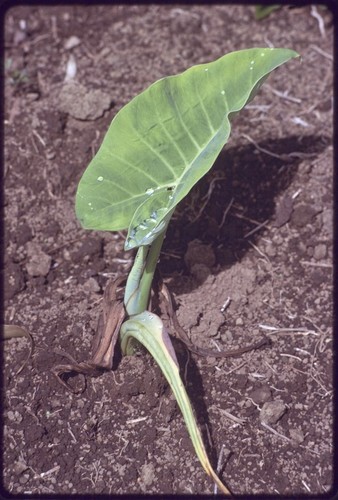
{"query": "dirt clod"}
(272, 411)
(82, 103)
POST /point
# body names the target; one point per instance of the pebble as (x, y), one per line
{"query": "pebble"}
(50, 155)
(32, 96)
(297, 435)
(199, 253)
(147, 476)
(39, 262)
(272, 411)
(82, 103)
(239, 322)
(20, 467)
(320, 251)
(92, 285)
(72, 42)
(261, 395)
(271, 250)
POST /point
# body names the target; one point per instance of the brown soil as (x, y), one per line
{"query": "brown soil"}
(263, 221)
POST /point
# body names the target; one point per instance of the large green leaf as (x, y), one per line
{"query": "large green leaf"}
(148, 329)
(165, 139)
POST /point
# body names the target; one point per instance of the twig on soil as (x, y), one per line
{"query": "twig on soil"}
(269, 366)
(293, 331)
(296, 194)
(240, 216)
(322, 52)
(39, 137)
(284, 156)
(306, 486)
(283, 95)
(226, 211)
(136, 420)
(257, 375)
(267, 426)
(314, 13)
(260, 107)
(291, 356)
(317, 264)
(235, 368)
(207, 197)
(216, 345)
(299, 121)
(255, 229)
(230, 416)
(225, 305)
(74, 440)
(49, 472)
(260, 252)
(115, 381)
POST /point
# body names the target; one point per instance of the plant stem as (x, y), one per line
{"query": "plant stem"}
(136, 297)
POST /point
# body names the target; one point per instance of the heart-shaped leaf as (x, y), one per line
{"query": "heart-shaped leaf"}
(165, 139)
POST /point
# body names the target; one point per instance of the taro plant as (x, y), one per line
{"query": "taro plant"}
(157, 147)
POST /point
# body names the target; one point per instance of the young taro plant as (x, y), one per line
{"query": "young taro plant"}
(157, 147)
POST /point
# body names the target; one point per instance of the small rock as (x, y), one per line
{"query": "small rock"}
(261, 395)
(14, 416)
(39, 263)
(20, 467)
(72, 42)
(92, 285)
(320, 251)
(270, 250)
(50, 155)
(32, 96)
(147, 476)
(272, 411)
(11, 415)
(24, 479)
(198, 253)
(82, 103)
(239, 322)
(303, 214)
(297, 435)
(284, 210)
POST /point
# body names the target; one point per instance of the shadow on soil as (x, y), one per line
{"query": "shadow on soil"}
(248, 181)
(237, 195)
